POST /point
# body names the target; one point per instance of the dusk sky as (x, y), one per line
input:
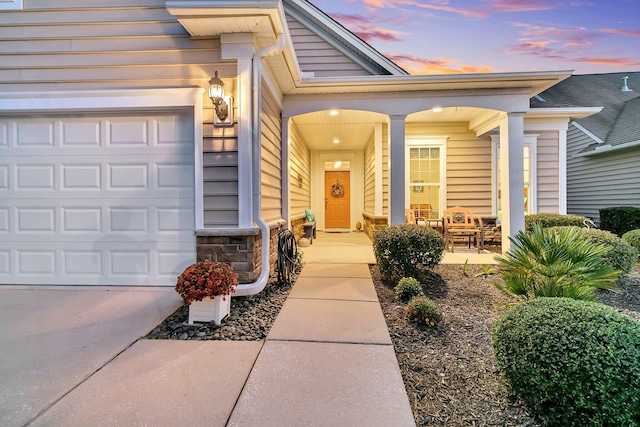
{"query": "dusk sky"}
(449, 36)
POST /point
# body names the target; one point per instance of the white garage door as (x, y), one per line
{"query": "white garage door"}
(96, 199)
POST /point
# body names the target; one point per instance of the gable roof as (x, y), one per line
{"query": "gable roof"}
(618, 123)
(341, 38)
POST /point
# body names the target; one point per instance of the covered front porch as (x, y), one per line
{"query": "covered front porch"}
(356, 248)
(425, 144)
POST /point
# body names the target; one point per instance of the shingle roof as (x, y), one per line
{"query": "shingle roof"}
(618, 122)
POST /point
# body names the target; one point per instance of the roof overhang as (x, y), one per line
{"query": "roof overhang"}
(529, 83)
(575, 113)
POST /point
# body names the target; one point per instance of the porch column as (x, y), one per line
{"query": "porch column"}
(378, 167)
(562, 171)
(396, 169)
(285, 167)
(512, 175)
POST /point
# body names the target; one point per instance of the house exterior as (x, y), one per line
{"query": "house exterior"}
(115, 169)
(603, 150)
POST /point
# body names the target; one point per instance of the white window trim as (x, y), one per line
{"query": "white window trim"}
(428, 141)
(531, 141)
(11, 4)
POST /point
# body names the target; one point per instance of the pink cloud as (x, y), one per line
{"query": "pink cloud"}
(620, 32)
(488, 7)
(417, 66)
(361, 26)
(614, 62)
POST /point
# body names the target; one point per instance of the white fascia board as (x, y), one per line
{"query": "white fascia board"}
(607, 148)
(568, 112)
(526, 82)
(10, 4)
(587, 132)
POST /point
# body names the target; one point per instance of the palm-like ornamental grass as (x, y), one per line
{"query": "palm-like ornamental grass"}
(555, 263)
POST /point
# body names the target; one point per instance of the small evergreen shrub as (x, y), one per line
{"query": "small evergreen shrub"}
(555, 262)
(622, 255)
(633, 238)
(423, 311)
(407, 250)
(547, 220)
(573, 363)
(407, 288)
(620, 219)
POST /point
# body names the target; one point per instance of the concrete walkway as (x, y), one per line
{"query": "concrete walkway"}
(74, 357)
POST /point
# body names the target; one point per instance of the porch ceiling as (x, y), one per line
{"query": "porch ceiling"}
(355, 128)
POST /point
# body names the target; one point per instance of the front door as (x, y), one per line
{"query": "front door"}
(337, 199)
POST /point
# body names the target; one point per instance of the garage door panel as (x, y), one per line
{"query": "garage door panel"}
(96, 200)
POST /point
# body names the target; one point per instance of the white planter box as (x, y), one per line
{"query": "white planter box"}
(209, 309)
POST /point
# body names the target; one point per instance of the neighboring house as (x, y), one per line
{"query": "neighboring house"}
(603, 150)
(115, 169)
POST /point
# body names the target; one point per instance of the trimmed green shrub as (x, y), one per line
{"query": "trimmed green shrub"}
(407, 250)
(619, 219)
(555, 262)
(547, 220)
(407, 288)
(423, 311)
(622, 255)
(633, 238)
(573, 363)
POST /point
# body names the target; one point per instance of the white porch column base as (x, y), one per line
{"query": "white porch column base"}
(512, 176)
(396, 169)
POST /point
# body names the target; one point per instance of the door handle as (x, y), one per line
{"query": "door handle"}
(325, 203)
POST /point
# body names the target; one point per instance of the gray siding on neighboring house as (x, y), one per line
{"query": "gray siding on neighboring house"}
(300, 173)
(370, 176)
(317, 56)
(271, 134)
(548, 192)
(600, 181)
(468, 164)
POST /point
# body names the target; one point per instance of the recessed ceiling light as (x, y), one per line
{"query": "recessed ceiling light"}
(436, 109)
(334, 112)
(336, 141)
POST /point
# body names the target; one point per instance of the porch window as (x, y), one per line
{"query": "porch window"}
(528, 154)
(425, 181)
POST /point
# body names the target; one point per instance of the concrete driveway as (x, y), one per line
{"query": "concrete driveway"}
(53, 338)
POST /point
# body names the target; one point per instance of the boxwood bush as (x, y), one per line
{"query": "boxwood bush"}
(619, 219)
(622, 255)
(407, 250)
(547, 220)
(407, 288)
(573, 363)
(633, 238)
(423, 311)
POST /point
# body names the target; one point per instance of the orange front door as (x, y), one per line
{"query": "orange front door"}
(337, 199)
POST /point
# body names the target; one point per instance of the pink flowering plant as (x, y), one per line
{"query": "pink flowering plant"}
(206, 279)
(422, 311)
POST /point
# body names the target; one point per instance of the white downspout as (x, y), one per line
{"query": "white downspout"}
(261, 282)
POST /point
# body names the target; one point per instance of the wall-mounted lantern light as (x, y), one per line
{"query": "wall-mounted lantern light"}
(222, 104)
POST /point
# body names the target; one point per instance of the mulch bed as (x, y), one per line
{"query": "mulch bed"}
(449, 371)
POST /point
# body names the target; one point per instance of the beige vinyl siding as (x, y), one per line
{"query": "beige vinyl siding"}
(602, 181)
(370, 176)
(220, 176)
(121, 44)
(317, 56)
(468, 164)
(547, 173)
(271, 132)
(101, 45)
(300, 181)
